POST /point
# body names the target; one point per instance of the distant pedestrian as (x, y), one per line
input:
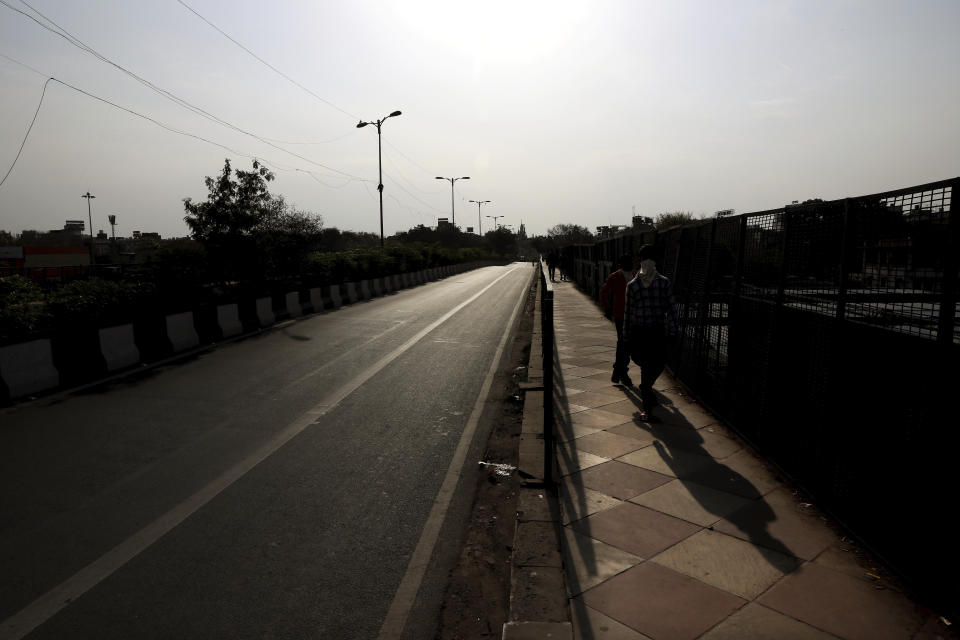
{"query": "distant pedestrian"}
(552, 265)
(649, 322)
(613, 297)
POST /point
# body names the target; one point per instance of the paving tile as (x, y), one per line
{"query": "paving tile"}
(620, 480)
(598, 418)
(633, 430)
(843, 605)
(608, 445)
(687, 416)
(575, 408)
(589, 562)
(588, 384)
(636, 529)
(579, 502)
(777, 521)
(692, 502)
(573, 432)
(581, 372)
(756, 622)
(662, 603)
(572, 460)
(704, 441)
(703, 469)
(516, 630)
(593, 399)
(727, 563)
(590, 624)
(622, 406)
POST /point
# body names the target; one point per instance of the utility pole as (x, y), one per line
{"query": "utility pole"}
(89, 215)
(495, 225)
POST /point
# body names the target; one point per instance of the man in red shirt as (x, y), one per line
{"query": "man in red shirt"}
(613, 296)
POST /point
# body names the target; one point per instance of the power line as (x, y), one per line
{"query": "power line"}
(267, 64)
(162, 126)
(29, 129)
(69, 37)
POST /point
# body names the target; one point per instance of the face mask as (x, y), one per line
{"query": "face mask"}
(647, 267)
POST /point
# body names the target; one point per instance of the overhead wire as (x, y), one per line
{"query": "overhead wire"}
(265, 63)
(27, 134)
(69, 37)
(162, 125)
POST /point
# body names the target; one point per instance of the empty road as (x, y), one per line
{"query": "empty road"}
(300, 483)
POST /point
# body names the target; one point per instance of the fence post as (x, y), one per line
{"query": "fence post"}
(845, 239)
(784, 249)
(948, 299)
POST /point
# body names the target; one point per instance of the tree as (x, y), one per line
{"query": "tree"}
(673, 219)
(247, 232)
(233, 208)
(501, 242)
(6, 238)
(562, 235)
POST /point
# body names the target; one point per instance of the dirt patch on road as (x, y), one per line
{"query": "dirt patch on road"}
(477, 600)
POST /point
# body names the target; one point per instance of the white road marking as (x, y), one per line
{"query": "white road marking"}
(46, 606)
(406, 593)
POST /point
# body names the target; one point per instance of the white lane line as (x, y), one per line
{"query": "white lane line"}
(406, 593)
(46, 606)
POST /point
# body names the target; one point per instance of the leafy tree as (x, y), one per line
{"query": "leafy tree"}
(6, 238)
(562, 235)
(501, 242)
(247, 232)
(673, 219)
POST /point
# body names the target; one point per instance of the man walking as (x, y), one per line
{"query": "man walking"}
(649, 321)
(613, 296)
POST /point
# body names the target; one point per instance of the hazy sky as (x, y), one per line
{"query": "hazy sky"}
(572, 112)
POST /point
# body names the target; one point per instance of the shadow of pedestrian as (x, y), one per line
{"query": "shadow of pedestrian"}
(681, 447)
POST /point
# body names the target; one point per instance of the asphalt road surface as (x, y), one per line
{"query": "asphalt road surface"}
(301, 483)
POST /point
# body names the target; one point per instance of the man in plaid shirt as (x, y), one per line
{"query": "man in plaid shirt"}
(649, 321)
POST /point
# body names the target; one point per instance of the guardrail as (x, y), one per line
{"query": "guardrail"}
(549, 351)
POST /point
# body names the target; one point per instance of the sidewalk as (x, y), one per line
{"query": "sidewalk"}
(675, 530)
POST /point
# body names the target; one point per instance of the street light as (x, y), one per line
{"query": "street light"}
(479, 224)
(378, 124)
(89, 216)
(495, 225)
(453, 216)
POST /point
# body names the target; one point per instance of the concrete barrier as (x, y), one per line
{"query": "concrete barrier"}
(335, 300)
(351, 292)
(316, 299)
(265, 311)
(294, 310)
(118, 347)
(28, 368)
(365, 290)
(181, 332)
(228, 317)
(376, 286)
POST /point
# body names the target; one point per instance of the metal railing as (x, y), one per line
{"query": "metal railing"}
(548, 351)
(828, 335)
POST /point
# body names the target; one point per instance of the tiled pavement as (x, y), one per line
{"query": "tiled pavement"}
(675, 529)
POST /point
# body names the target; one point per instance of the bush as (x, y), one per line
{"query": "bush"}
(98, 303)
(22, 309)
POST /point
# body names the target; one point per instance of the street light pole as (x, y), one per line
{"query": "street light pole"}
(479, 222)
(378, 124)
(89, 216)
(495, 225)
(453, 215)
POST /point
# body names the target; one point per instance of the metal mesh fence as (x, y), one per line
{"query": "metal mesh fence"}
(826, 333)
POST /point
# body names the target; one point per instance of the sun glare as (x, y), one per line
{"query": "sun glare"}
(495, 31)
